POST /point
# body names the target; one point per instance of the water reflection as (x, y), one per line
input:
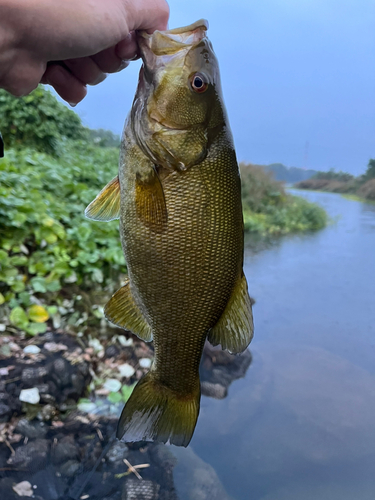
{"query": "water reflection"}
(300, 425)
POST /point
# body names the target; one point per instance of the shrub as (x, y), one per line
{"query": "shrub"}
(50, 254)
(268, 209)
(38, 121)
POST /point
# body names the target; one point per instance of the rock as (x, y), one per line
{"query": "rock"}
(216, 391)
(31, 430)
(5, 412)
(162, 456)
(31, 349)
(53, 347)
(61, 372)
(112, 385)
(195, 479)
(140, 490)
(112, 351)
(34, 376)
(24, 489)
(30, 396)
(6, 488)
(126, 370)
(32, 455)
(65, 450)
(48, 412)
(117, 452)
(145, 362)
(70, 468)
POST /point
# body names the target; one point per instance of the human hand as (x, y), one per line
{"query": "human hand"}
(71, 44)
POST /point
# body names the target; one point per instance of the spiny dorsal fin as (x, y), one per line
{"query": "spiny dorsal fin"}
(235, 328)
(122, 310)
(150, 201)
(106, 205)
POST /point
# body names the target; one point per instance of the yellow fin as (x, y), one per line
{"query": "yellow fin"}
(156, 413)
(235, 328)
(150, 202)
(122, 310)
(106, 205)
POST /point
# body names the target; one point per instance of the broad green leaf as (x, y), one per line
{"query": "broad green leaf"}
(114, 397)
(38, 314)
(18, 318)
(36, 328)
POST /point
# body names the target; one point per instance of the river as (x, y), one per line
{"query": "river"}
(301, 424)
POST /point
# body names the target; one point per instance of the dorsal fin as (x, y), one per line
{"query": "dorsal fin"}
(106, 205)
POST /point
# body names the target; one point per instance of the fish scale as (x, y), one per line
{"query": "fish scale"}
(181, 230)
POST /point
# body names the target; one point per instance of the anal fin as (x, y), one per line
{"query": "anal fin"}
(106, 205)
(235, 328)
(123, 311)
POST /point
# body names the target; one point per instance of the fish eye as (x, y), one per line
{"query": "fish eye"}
(198, 83)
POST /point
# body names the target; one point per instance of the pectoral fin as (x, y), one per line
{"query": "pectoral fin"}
(150, 201)
(124, 312)
(235, 328)
(106, 205)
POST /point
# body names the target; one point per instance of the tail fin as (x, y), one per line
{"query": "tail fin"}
(156, 413)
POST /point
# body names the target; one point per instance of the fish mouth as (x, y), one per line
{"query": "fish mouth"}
(161, 47)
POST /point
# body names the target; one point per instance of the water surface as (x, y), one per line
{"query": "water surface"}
(301, 424)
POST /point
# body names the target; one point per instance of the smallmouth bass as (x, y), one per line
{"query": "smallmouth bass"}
(178, 197)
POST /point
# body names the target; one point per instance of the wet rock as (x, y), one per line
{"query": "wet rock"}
(30, 396)
(140, 490)
(219, 369)
(195, 479)
(117, 452)
(5, 412)
(70, 468)
(31, 430)
(33, 455)
(112, 351)
(65, 450)
(61, 372)
(23, 489)
(49, 485)
(161, 455)
(34, 376)
(6, 488)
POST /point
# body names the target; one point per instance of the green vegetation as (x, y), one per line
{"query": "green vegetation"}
(57, 267)
(342, 182)
(268, 209)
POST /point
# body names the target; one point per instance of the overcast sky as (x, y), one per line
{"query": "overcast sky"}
(298, 79)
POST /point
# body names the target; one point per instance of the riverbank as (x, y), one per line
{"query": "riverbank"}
(60, 400)
(363, 187)
(269, 210)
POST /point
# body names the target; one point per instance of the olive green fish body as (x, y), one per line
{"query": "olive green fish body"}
(181, 229)
(184, 274)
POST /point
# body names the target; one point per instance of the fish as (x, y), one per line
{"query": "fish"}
(178, 198)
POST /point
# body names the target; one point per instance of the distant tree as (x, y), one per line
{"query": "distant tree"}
(104, 138)
(38, 120)
(332, 175)
(370, 172)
